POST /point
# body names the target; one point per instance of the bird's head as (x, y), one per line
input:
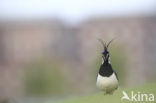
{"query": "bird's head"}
(105, 53)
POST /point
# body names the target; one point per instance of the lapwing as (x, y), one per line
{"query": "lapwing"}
(107, 80)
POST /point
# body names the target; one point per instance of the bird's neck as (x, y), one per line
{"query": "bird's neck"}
(106, 69)
(107, 61)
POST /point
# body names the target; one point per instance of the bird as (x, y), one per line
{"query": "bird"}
(107, 79)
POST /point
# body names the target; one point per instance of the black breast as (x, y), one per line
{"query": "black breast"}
(106, 70)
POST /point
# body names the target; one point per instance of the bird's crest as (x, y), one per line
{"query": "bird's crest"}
(105, 45)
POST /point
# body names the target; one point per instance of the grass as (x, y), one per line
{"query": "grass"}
(116, 97)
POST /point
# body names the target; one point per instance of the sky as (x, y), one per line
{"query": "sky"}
(74, 10)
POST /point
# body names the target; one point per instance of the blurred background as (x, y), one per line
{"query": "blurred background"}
(49, 49)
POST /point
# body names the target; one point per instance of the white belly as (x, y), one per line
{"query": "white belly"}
(107, 84)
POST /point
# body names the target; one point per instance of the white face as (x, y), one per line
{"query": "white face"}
(105, 58)
(102, 61)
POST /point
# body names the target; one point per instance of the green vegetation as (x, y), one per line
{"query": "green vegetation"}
(116, 97)
(42, 78)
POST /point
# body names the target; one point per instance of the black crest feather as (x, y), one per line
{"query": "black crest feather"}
(105, 46)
